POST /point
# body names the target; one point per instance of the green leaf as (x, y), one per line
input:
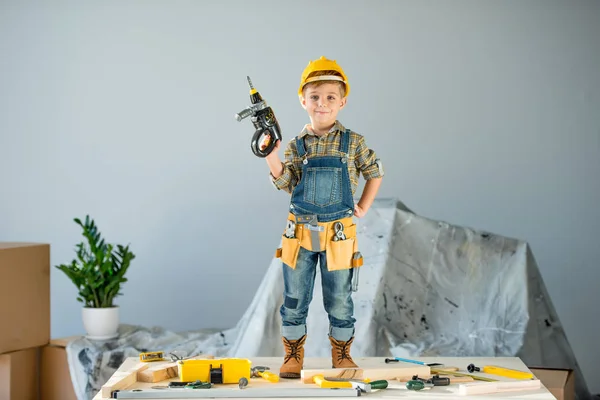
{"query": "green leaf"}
(99, 267)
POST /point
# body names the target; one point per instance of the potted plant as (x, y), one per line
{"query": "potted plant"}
(98, 272)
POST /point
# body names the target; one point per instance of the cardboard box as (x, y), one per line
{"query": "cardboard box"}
(55, 377)
(19, 375)
(24, 296)
(559, 382)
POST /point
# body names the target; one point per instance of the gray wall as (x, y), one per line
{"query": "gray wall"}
(486, 114)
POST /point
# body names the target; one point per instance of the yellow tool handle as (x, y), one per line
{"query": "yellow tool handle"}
(507, 372)
(322, 383)
(271, 377)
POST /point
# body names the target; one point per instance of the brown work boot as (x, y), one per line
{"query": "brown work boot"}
(340, 353)
(293, 359)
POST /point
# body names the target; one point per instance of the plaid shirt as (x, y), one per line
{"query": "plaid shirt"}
(361, 158)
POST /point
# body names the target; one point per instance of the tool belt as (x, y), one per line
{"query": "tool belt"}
(337, 238)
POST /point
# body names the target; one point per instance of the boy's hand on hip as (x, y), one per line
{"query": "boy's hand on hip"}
(359, 211)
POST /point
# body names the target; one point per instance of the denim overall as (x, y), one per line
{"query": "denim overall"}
(325, 185)
(324, 190)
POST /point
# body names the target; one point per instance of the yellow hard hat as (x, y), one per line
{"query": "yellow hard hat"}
(322, 64)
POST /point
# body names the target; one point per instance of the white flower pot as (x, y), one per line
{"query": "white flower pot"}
(101, 323)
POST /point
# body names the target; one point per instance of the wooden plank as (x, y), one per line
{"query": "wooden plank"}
(122, 379)
(372, 373)
(158, 373)
(307, 375)
(497, 387)
(445, 369)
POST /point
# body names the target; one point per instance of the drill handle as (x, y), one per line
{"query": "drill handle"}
(245, 113)
(270, 136)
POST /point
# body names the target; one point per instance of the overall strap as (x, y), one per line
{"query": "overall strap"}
(300, 146)
(345, 141)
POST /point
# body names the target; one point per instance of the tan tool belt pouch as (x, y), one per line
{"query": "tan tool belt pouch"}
(340, 254)
(290, 247)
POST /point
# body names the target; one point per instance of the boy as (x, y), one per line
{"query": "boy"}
(321, 171)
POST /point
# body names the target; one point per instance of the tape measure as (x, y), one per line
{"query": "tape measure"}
(152, 356)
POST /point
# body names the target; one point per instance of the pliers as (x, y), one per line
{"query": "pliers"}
(339, 232)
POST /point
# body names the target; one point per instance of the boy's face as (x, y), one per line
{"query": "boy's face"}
(323, 103)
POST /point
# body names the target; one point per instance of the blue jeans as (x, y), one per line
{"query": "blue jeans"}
(298, 292)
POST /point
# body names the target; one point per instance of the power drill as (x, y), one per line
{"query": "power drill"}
(267, 128)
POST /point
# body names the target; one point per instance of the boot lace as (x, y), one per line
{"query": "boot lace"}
(343, 350)
(293, 348)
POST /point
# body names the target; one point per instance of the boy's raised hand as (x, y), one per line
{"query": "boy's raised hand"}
(274, 152)
(275, 149)
(273, 160)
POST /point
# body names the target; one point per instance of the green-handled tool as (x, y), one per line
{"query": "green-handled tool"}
(417, 383)
(381, 384)
(362, 385)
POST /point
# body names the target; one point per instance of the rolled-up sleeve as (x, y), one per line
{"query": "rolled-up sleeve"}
(289, 178)
(366, 161)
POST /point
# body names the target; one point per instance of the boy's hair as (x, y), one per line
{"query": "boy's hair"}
(342, 85)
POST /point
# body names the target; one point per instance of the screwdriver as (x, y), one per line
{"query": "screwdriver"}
(507, 372)
(417, 383)
(397, 359)
(380, 384)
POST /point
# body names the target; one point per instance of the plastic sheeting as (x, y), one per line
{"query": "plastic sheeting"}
(92, 362)
(427, 288)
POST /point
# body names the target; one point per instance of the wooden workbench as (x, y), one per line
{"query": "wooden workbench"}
(395, 389)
